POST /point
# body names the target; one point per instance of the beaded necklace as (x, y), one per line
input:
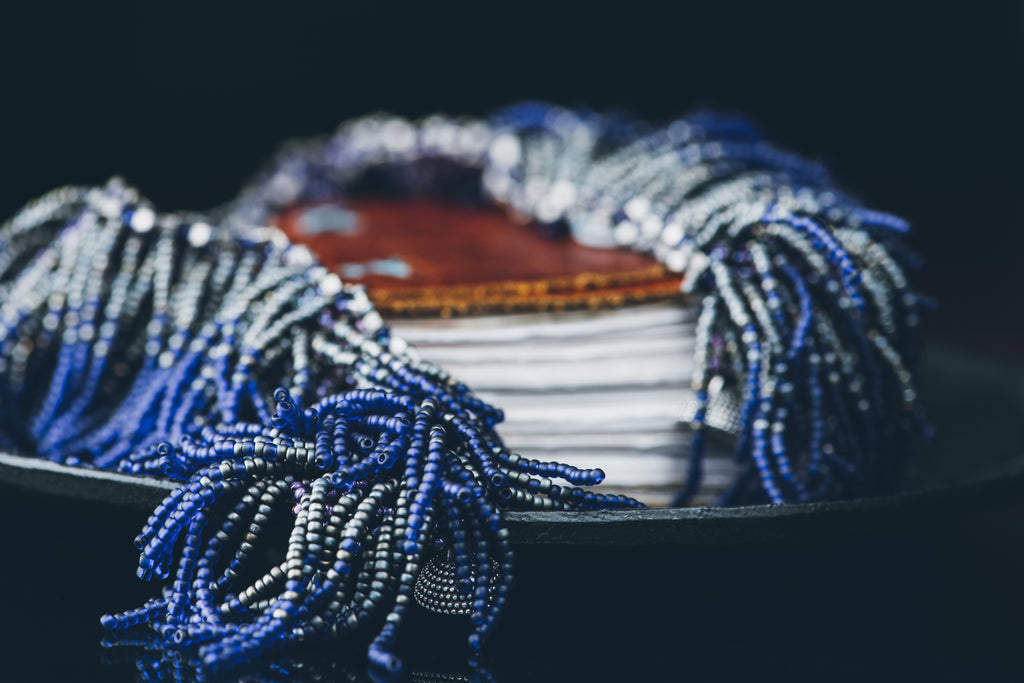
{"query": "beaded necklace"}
(229, 359)
(807, 324)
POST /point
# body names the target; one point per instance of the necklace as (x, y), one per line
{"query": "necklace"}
(229, 359)
(807, 328)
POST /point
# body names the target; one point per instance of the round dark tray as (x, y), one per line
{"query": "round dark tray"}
(975, 405)
(638, 585)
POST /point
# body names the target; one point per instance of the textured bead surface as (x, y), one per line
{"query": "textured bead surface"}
(213, 352)
(238, 366)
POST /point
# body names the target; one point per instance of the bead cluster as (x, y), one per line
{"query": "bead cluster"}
(152, 344)
(807, 320)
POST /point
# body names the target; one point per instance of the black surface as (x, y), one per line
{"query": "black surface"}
(926, 600)
(917, 108)
(937, 567)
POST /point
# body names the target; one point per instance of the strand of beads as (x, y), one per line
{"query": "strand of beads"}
(809, 319)
(148, 328)
(798, 273)
(147, 343)
(364, 522)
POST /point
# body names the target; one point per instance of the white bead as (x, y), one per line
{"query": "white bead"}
(505, 151)
(143, 219)
(199, 234)
(330, 285)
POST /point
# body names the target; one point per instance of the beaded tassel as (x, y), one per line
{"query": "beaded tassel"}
(808, 320)
(151, 344)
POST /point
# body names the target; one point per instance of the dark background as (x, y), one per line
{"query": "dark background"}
(916, 108)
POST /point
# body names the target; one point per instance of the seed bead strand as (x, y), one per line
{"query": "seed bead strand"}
(759, 231)
(166, 360)
(162, 360)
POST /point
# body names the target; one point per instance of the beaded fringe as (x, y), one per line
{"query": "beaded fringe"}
(228, 359)
(151, 344)
(807, 320)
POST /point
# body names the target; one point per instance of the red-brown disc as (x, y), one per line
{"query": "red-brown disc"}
(424, 257)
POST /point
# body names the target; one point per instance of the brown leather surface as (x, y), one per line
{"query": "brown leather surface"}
(469, 260)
